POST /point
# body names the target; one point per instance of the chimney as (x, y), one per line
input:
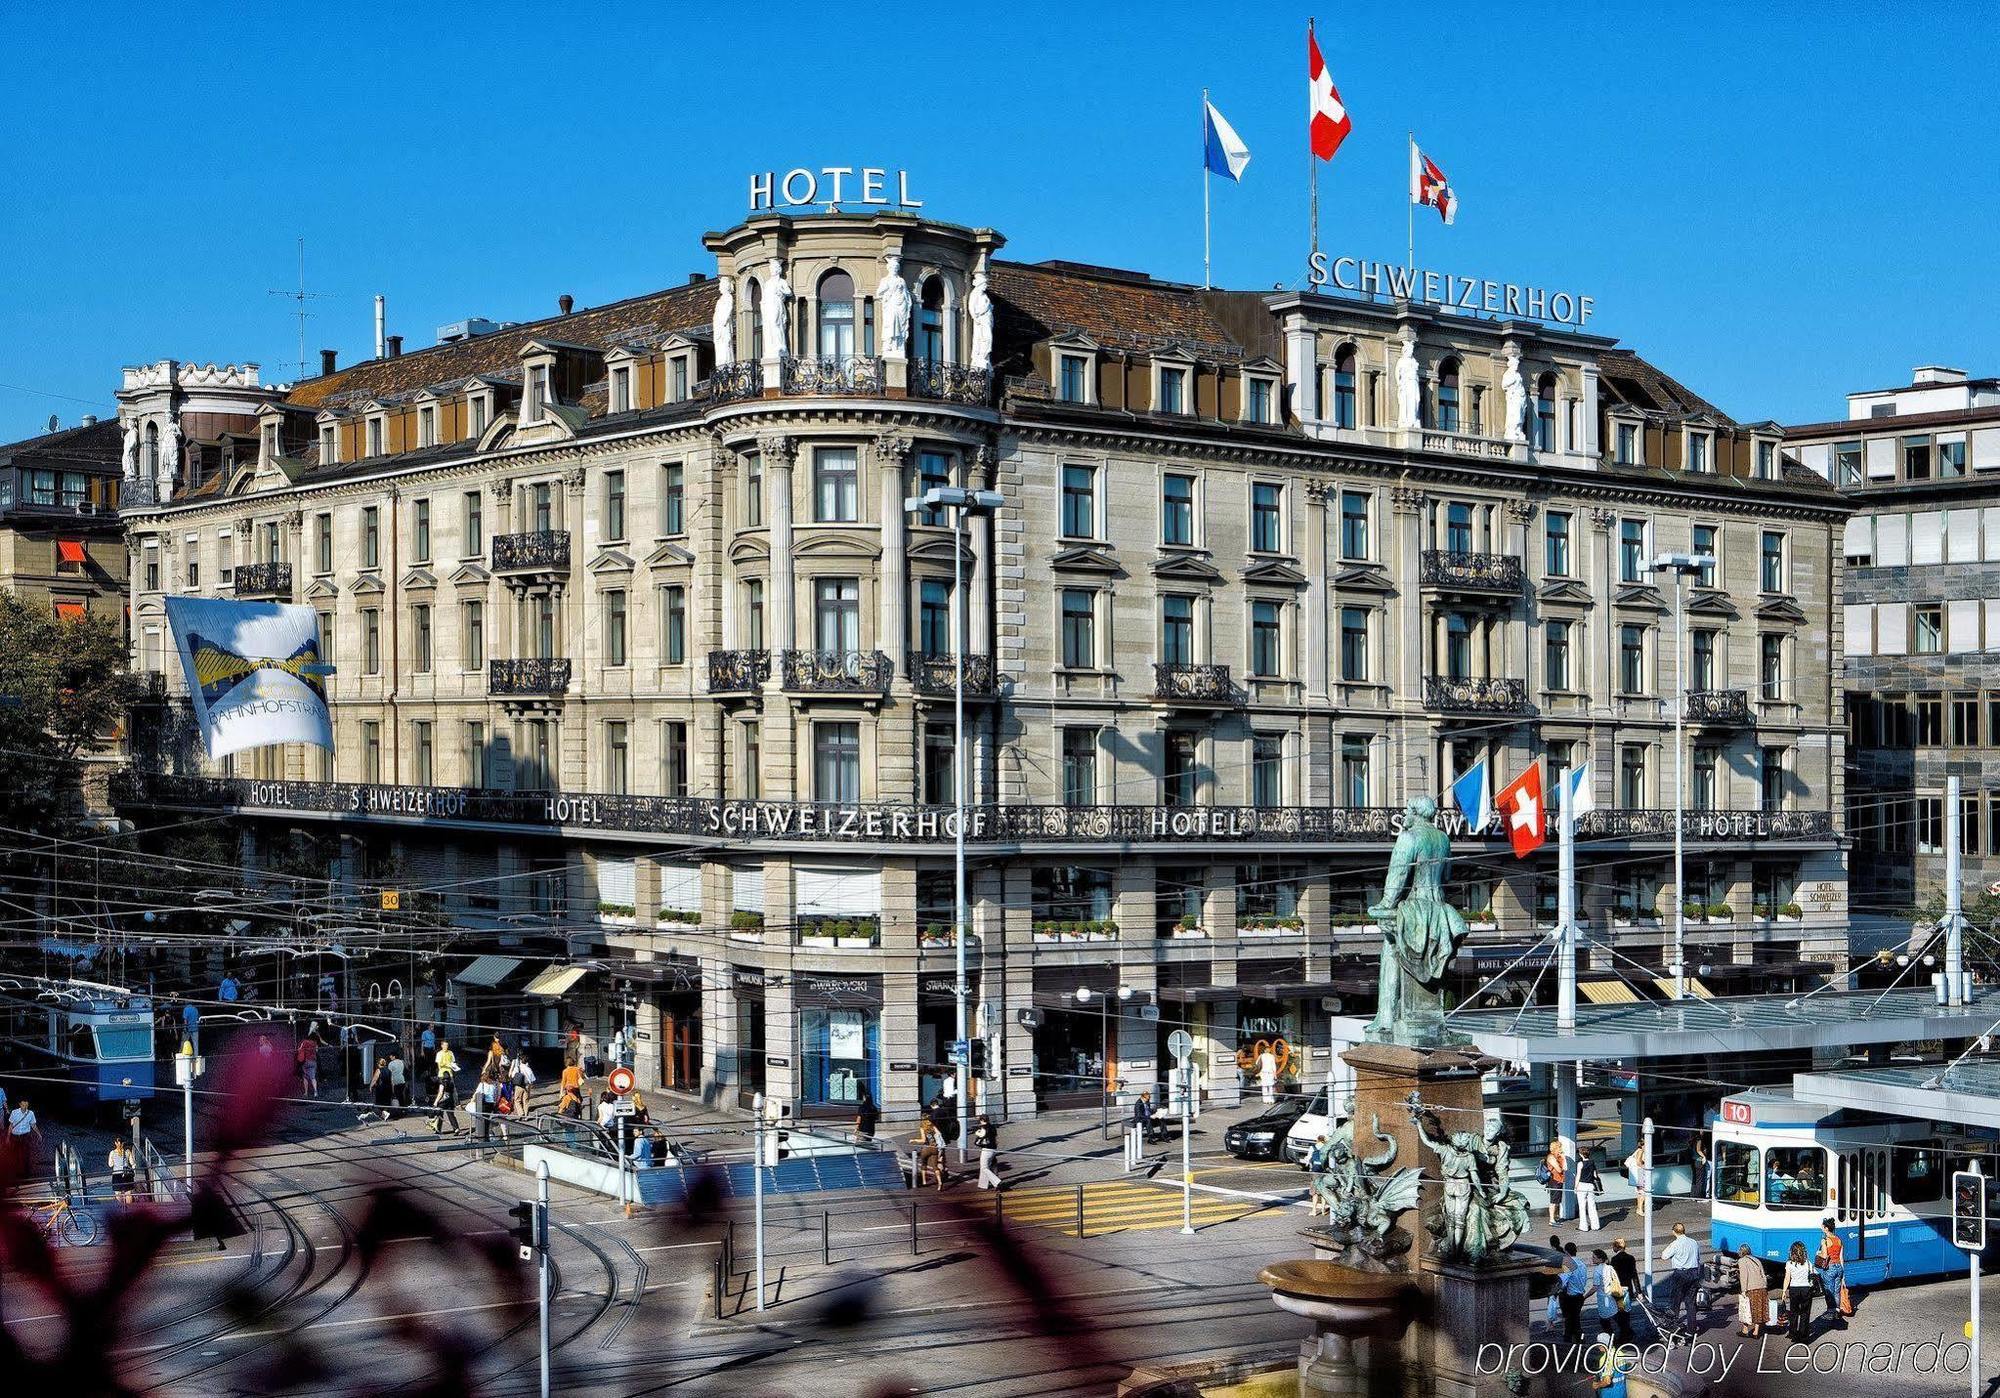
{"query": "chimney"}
(326, 358)
(697, 278)
(565, 302)
(395, 346)
(90, 419)
(1934, 374)
(381, 324)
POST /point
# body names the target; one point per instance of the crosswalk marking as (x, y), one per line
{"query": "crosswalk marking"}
(1113, 1206)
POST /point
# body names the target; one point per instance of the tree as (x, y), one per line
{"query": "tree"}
(63, 689)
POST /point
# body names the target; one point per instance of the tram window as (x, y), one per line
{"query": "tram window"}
(1916, 1175)
(1795, 1177)
(1738, 1173)
(80, 1044)
(125, 1041)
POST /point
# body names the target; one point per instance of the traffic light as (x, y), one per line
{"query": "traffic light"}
(523, 1215)
(976, 1058)
(1968, 1210)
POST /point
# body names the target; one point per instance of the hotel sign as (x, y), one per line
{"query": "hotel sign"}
(1481, 295)
(831, 185)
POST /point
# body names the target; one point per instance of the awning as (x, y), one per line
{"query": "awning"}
(70, 611)
(1694, 987)
(1307, 990)
(1607, 992)
(486, 971)
(69, 551)
(557, 980)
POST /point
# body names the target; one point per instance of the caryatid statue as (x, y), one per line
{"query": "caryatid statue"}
(1420, 931)
(1409, 395)
(892, 308)
(129, 451)
(723, 323)
(979, 308)
(777, 310)
(1514, 390)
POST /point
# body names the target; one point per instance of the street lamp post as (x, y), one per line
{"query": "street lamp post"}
(1682, 566)
(1123, 993)
(962, 502)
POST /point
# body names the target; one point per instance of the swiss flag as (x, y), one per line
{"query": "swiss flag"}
(1521, 811)
(1329, 122)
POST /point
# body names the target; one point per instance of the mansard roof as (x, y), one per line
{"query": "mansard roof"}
(1119, 310)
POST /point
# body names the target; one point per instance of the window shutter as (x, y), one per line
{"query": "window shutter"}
(749, 889)
(1859, 539)
(1859, 630)
(1892, 628)
(1985, 451)
(838, 892)
(1961, 630)
(680, 887)
(1927, 537)
(614, 882)
(1880, 453)
(1962, 536)
(1892, 541)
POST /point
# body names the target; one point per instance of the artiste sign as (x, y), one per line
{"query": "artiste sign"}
(1421, 284)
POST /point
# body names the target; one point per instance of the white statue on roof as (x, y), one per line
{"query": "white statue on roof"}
(129, 453)
(892, 308)
(1409, 395)
(777, 310)
(170, 455)
(979, 307)
(1515, 388)
(723, 323)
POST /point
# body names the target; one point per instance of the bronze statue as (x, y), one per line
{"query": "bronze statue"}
(1420, 932)
(1481, 1214)
(1363, 1198)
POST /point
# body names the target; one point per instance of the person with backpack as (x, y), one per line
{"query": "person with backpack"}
(987, 1138)
(1587, 1180)
(524, 1086)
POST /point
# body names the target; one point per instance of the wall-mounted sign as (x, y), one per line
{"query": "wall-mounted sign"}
(900, 1067)
(1479, 294)
(1020, 1072)
(772, 1060)
(831, 185)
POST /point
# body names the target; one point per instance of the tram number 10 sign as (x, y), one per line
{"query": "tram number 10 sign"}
(1968, 1210)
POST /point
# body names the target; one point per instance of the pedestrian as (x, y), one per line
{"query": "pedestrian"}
(350, 1057)
(1142, 1116)
(644, 1150)
(230, 990)
(444, 1108)
(191, 1025)
(1831, 1262)
(24, 1133)
(1700, 1169)
(930, 1157)
(524, 1086)
(378, 1091)
(496, 1059)
(1555, 1168)
(486, 1104)
(1267, 1074)
(399, 1078)
(1641, 1176)
(1753, 1293)
(987, 1137)
(1575, 1285)
(1626, 1268)
(1610, 1290)
(866, 1115)
(1799, 1287)
(1615, 1362)
(1683, 1258)
(427, 1042)
(447, 1064)
(124, 1168)
(570, 1105)
(306, 1060)
(1586, 1192)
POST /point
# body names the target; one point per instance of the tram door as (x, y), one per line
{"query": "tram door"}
(1864, 1196)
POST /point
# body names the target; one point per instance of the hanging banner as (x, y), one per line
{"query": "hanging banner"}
(253, 672)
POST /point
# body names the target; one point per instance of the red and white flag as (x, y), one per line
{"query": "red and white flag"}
(1329, 122)
(1521, 812)
(1429, 186)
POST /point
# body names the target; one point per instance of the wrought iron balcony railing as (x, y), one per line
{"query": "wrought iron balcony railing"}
(743, 379)
(1483, 572)
(830, 374)
(263, 580)
(541, 550)
(936, 672)
(836, 671)
(1194, 684)
(1718, 706)
(738, 671)
(545, 676)
(954, 383)
(1469, 696)
(1712, 825)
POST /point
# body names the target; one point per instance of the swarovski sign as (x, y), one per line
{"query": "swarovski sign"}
(1421, 284)
(830, 185)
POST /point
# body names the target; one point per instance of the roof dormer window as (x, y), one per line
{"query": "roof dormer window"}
(1171, 389)
(378, 426)
(1700, 459)
(427, 425)
(478, 411)
(534, 404)
(1766, 460)
(271, 441)
(1625, 444)
(621, 388)
(329, 443)
(680, 376)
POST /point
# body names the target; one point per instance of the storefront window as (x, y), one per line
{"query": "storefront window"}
(1072, 893)
(1737, 1174)
(841, 1050)
(1273, 1025)
(749, 1045)
(1795, 1177)
(1267, 895)
(1069, 1056)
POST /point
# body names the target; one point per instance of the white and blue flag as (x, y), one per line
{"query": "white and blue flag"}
(1224, 150)
(1574, 794)
(1473, 794)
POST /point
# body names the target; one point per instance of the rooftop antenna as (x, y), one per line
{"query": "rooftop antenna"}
(301, 296)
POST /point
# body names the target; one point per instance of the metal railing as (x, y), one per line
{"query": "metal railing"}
(1720, 706)
(743, 379)
(936, 672)
(263, 580)
(1195, 684)
(540, 549)
(1486, 572)
(952, 383)
(738, 671)
(1646, 824)
(836, 671)
(830, 374)
(544, 675)
(1475, 696)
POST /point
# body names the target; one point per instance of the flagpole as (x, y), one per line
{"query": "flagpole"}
(1205, 283)
(1312, 172)
(1410, 196)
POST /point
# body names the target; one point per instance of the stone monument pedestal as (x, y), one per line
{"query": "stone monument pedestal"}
(1448, 1080)
(1474, 1309)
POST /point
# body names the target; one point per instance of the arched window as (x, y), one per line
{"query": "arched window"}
(753, 308)
(152, 450)
(1545, 413)
(836, 316)
(930, 322)
(1446, 414)
(1343, 386)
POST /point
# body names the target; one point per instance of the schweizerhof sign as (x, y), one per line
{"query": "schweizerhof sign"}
(1478, 294)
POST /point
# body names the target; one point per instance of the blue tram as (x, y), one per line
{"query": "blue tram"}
(1781, 1166)
(98, 1039)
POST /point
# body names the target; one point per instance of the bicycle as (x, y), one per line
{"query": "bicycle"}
(58, 1218)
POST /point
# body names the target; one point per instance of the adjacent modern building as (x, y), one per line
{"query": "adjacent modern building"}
(644, 669)
(1921, 603)
(61, 545)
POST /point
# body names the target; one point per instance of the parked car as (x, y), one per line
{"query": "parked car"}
(1263, 1135)
(1313, 1123)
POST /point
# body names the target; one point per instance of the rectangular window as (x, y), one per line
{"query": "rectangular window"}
(1074, 371)
(1916, 458)
(1555, 655)
(933, 472)
(374, 436)
(836, 485)
(939, 764)
(753, 491)
(371, 750)
(1632, 776)
(1701, 660)
(673, 499)
(420, 531)
(1704, 547)
(1555, 545)
(673, 623)
(677, 379)
(1266, 640)
(1950, 460)
(617, 758)
(371, 537)
(479, 409)
(1706, 760)
(193, 567)
(1927, 631)
(614, 505)
(751, 774)
(1354, 645)
(1267, 532)
(1260, 400)
(1458, 528)
(420, 629)
(543, 618)
(837, 614)
(1355, 785)
(1173, 390)
(1847, 463)
(1771, 770)
(323, 544)
(1632, 550)
(1177, 510)
(934, 617)
(329, 444)
(1353, 525)
(1180, 773)
(426, 754)
(475, 525)
(1627, 452)
(1457, 647)
(1079, 766)
(1965, 721)
(1930, 825)
(621, 389)
(1079, 502)
(542, 507)
(538, 392)
(1079, 629)
(326, 639)
(1632, 659)
(837, 763)
(614, 627)
(476, 774)
(427, 426)
(753, 613)
(149, 571)
(371, 641)
(1771, 665)
(1177, 629)
(1267, 769)
(1697, 452)
(1772, 571)
(1767, 461)
(674, 759)
(473, 626)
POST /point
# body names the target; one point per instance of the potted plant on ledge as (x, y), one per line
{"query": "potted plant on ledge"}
(1188, 927)
(746, 925)
(615, 914)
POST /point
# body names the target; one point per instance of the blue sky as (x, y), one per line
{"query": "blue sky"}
(1776, 204)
